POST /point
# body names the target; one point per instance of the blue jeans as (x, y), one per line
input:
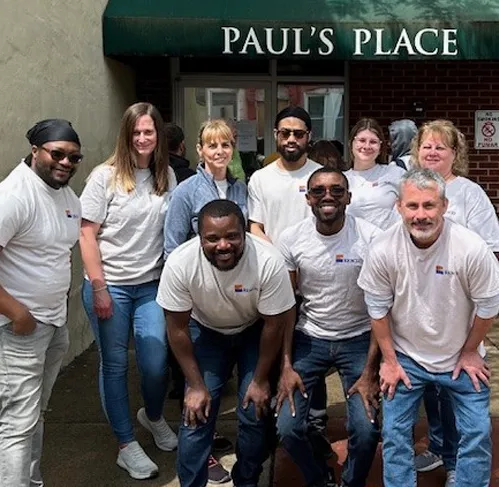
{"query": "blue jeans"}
(471, 410)
(216, 355)
(312, 359)
(134, 311)
(442, 432)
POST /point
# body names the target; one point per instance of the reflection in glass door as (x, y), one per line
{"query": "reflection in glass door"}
(242, 108)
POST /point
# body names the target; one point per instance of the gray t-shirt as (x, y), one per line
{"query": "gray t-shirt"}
(328, 267)
(226, 301)
(130, 238)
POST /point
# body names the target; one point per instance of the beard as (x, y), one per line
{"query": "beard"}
(45, 173)
(213, 261)
(427, 235)
(291, 156)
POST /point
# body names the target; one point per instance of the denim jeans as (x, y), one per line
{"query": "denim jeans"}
(312, 359)
(442, 432)
(134, 311)
(471, 410)
(28, 369)
(216, 355)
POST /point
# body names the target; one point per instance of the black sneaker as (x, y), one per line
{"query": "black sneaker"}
(216, 473)
(221, 444)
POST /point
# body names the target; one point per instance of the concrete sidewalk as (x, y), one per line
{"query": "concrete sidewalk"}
(80, 450)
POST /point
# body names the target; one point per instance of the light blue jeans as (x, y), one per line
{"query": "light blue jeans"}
(28, 369)
(471, 410)
(134, 311)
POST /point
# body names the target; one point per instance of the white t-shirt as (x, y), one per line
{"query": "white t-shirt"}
(434, 290)
(470, 206)
(374, 194)
(226, 301)
(276, 198)
(38, 227)
(328, 267)
(222, 188)
(131, 234)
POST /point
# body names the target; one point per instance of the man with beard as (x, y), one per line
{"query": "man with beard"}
(275, 192)
(432, 289)
(227, 299)
(324, 256)
(39, 224)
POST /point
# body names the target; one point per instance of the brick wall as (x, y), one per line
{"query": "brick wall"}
(386, 90)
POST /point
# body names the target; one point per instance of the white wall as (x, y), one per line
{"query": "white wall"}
(52, 66)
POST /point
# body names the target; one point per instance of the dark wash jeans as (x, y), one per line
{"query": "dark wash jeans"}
(312, 359)
(216, 355)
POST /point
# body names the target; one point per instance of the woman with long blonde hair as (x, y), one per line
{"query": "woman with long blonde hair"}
(123, 209)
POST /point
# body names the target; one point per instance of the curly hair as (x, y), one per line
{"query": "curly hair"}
(451, 137)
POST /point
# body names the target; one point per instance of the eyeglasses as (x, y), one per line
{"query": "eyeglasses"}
(287, 133)
(372, 142)
(59, 155)
(320, 191)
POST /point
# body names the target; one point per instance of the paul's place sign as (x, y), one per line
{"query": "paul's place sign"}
(304, 41)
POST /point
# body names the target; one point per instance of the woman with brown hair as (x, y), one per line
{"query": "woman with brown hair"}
(373, 183)
(123, 209)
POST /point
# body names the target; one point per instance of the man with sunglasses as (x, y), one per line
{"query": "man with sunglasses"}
(39, 224)
(324, 256)
(275, 193)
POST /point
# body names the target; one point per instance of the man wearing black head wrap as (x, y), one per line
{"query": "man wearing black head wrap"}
(39, 224)
(55, 151)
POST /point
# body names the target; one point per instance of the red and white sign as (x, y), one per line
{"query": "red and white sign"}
(487, 129)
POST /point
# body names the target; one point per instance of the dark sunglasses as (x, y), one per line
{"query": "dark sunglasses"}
(287, 133)
(59, 155)
(320, 191)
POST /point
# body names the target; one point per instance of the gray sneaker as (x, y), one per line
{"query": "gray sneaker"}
(451, 478)
(163, 435)
(134, 460)
(427, 461)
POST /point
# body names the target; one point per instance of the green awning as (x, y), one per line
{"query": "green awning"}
(313, 29)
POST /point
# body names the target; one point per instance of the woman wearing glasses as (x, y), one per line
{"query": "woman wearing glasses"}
(212, 181)
(123, 209)
(373, 183)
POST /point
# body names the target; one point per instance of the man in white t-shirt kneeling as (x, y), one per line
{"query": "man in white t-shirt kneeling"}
(432, 289)
(324, 254)
(227, 299)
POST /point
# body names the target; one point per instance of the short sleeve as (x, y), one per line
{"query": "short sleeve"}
(374, 275)
(173, 293)
(481, 217)
(94, 198)
(255, 208)
(285, 250)
(12, 217)
(276, 292)
(483, 274)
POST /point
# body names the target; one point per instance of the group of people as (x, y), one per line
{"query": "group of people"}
(392, 266)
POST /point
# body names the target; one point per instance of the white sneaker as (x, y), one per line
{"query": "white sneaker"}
(163, 435)
(134, 460)
(451, 478)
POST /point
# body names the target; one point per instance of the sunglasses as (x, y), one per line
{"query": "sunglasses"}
(59, 155)
(321, 191)
(287, 133)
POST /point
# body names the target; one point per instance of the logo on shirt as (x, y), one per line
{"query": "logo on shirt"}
(239, 288)
(69, 214)
(440, 270)
(302, 188)
(340, 259)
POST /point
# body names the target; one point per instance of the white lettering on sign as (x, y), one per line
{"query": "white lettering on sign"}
(487, 129)
(301, 41)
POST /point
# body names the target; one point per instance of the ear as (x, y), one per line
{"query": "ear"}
(446, 204)
(349, 197)
(34, 150)
(275, 134)
(399, 205)
(307, 197)
(199, 150)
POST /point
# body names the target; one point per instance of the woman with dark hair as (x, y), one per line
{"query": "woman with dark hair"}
(123, 209)
(373, 183)
(326, 153)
